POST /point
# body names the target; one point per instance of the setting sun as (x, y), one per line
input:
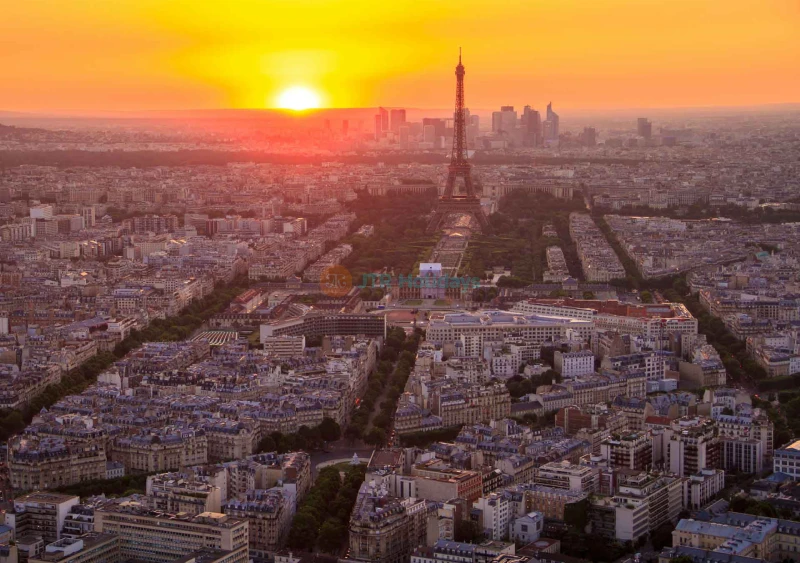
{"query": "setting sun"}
(298, 98)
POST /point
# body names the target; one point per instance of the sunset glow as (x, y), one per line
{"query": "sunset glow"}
(298, 98)
(147, 54)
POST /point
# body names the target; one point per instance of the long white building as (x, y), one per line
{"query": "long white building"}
(472, 329)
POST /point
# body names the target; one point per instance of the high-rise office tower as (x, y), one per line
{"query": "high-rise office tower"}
(644, 127)
(378, 126)
(532, 127)
(504, 120)
(398, 119)
(403, 134)
(429, 133)
(553, 118)
(589, 136)
(384, 113)
(439, 125)
(547, 130)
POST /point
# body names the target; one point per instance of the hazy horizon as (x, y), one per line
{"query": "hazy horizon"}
(312, 112)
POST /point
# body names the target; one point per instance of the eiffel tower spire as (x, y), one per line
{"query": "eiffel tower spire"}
(468, 201)
(459, 166)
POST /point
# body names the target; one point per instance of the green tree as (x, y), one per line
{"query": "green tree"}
(267, 444)
(330, 430)
(331, 534)
(376, 437)
(303, 533)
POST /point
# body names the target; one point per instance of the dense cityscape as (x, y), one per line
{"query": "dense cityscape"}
(396, 335)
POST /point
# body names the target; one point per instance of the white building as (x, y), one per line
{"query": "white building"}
(495, 515)
(41, 212)
(574, 364)
(787, 460)
(704, 486)
(494, 325)
(526, 529)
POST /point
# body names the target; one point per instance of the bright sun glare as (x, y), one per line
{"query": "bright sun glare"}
(298, 98)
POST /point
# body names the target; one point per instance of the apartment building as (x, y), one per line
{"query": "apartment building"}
(36, 463)
(284, 346)
(474, 403)
(178, 492)
(591, 423)
(574, 364)
(87, 548)
(269, 514)
(569, 476)
(293, 468)
(169, 450)
(551, 501)
(705, 370)
(154, 224)
(746, 537)
(693, 445)
(495, 514)
(598, 260)
(756, 426)
(435, 481)
(787, 460)
(632, 450)
(228, 439)
(40, 515)
(644, 501)
(385, 529)
(703, 487)
(163, 537)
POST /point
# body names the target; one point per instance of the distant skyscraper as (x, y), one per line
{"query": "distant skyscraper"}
(553, 118)
(475, 121)
(439, 125)
(547, 130)
(504, 120)
(429, 133)
(403, 134)
(532, 127)
(345, 127)
(398, 118)
(384, 119)
(644, 128)
(378, 126)
(589, 136)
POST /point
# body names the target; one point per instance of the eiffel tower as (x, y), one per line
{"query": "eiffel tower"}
(450, 202)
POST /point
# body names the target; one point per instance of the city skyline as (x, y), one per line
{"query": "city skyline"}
(610, 54)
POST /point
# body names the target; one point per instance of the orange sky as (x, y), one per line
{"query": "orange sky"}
(92, 55)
